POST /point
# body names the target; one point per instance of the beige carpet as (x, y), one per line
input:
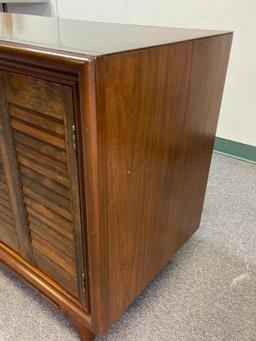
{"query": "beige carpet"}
(207, 292)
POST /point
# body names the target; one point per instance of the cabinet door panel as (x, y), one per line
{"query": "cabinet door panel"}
(13, 224)
(7, 223)
(36, 94)
(41, 119)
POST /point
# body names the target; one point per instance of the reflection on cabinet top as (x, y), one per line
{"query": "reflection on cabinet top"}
(90, 38)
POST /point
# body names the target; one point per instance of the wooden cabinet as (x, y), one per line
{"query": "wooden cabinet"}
(106, 136)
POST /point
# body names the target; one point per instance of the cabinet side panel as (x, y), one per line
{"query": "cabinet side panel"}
(157, 112)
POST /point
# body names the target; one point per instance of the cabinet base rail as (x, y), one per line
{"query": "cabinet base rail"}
(80, 319)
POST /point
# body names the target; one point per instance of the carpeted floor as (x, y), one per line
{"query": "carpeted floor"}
(206, 293)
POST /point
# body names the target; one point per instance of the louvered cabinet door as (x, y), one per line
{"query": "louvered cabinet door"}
(8, 233)
(13, 223)
(41, 119)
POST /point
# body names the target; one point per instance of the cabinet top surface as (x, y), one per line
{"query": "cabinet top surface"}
(88, 38)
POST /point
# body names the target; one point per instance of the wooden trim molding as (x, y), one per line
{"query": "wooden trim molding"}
(39, 281)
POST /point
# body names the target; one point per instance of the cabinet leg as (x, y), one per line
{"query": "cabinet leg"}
(84, 333)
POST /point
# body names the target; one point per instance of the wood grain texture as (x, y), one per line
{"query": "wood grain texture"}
(7, 223)
(8, 231)
(18, 235)
(43, 97)
(120, 204)
(47, 287)
(73, 173)
(84, 333)
(95, 234)
(40, 115)
(157, 117)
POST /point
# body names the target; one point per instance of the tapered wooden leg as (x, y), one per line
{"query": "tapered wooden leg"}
(84, 333)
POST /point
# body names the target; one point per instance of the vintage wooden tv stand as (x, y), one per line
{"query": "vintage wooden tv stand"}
(106, 138)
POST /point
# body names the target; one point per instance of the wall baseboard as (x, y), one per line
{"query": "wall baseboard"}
(235, 149)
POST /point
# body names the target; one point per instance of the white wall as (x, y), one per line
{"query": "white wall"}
(238, 113)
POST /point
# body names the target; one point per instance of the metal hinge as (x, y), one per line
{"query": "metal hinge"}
(84, 281)
(74, 142)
